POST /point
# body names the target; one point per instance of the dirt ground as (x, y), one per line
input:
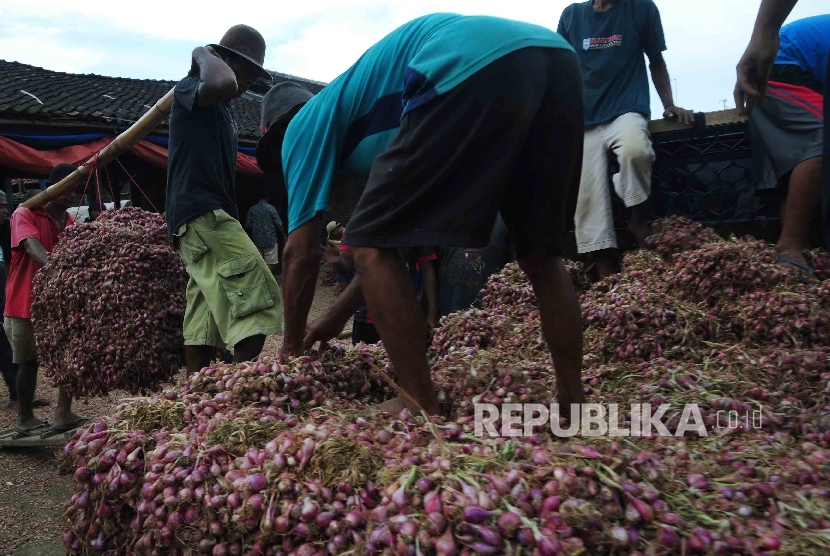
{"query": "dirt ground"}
(32, 492)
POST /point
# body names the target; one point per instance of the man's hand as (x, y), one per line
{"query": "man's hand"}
(194, 63)
(754, 67)
(331, 254)
(291, 350)
(322, 330)
(686, 117)
(753, 73)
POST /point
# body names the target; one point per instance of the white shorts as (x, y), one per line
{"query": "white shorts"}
(272, 255)
(628, 138)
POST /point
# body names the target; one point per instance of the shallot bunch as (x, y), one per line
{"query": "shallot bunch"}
(676, 234)
(109, 470)
(790, 316)
(722, 271)
(819, 259)
(474, 328)
(109, 304)
(636, 321)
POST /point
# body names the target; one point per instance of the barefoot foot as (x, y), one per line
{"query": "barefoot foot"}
(64, 418)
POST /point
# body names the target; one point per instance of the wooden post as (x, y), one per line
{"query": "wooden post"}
(119, 146)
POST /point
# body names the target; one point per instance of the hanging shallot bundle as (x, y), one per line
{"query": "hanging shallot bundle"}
(108, 306)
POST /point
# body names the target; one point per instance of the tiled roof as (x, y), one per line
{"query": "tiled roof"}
(36, 94)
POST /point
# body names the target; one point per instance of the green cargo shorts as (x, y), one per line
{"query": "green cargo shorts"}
(231, 294)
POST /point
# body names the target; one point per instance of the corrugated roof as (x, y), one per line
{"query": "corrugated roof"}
(36, 94)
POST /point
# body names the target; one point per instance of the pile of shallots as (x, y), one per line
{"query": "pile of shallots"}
(287, 457)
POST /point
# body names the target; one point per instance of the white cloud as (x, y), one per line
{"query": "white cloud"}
(46, 47)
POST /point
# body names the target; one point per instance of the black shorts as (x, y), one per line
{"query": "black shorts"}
(364, 332)
(508, 140)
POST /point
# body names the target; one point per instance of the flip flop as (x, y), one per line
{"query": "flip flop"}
(35, 430)
(73, 425)
(809, 270)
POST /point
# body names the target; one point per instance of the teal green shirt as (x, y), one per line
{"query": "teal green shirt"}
(353, 119)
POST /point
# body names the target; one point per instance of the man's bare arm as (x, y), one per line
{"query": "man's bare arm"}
(771, 16)
(218, 79)
(334, 320)
(34, 248)
(662, 82)
(754, 67)
(301, 263)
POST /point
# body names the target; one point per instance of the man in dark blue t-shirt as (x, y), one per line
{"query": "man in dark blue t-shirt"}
(232, 297)
(610, 37)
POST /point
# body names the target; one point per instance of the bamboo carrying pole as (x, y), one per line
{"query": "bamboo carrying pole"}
(121, 144)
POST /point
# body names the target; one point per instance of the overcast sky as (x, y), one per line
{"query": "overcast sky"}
(319, 39)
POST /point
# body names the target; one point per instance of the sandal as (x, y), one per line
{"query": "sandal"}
(34, 430)
(77, 423)
(809, 270)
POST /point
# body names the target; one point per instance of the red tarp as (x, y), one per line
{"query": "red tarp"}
(20, 157)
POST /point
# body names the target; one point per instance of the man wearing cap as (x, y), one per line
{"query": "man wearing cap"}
(331, 252)
(232, 297)
(34, 235)
(334, 232)
(452, 119)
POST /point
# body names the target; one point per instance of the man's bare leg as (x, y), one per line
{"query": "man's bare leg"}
(637, 224)
(63, 411)
(248, 349)
(561, 318)
(197, 358)
(26, 385)
(394, 307)
(605, 263)
(802, 197)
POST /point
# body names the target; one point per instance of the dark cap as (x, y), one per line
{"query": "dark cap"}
(280, 99)
(246, 42)
(280, 104)
(60, 172)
